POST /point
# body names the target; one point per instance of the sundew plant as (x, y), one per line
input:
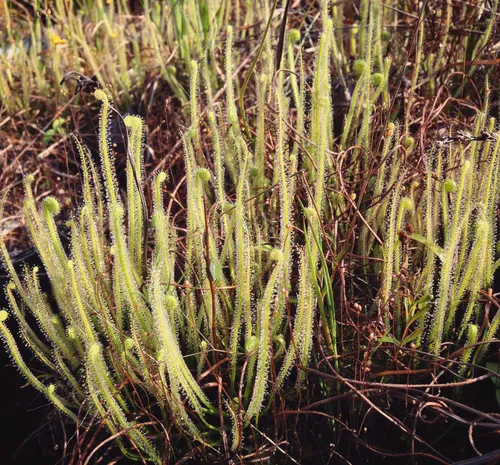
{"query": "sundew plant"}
(203, 328)
(437, 241)
(129, 316)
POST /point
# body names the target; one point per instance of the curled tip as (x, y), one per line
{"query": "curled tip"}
(481, 227)
(128, 343)
(155, 219)
(294, 36)
(99, 94)
(94, 350)
(230, 30)
(310, 213)
(55, 320)
(71, 265)
(263, 79)
(71, 333)
(377, 79)
(323, 102)
(336, 198)
(11, 287)
(51, 205)
(251, 344)
(203, 345)
(254, 171)
(29, 179)
(130, 121)
(276, 255)
(408, 143)
(385, 36)
(194, 65)
(449, 185)
(36, 270)
(172, 70)
(406, 203)
(3, 315)
(391, 126)
(472, 331)
(232, 115)
(279, 340)
(204, 175)
(160, 356)
(227, 207)
(170, 303)
(119, 211)
(51, 389)
(211, 118)
(162, 176)
(359, 67)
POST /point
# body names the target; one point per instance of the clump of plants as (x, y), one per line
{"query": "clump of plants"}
(437, 238)
(201, 329)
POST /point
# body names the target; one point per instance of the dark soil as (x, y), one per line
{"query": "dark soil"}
(26, 419)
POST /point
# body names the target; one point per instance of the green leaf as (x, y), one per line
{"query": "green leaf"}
(431, 245)
(389, 339)
(216, 272)
(412, 336)
(417, 316)
(58, 123)
(424, 299)
(496, 265)
(49, 134)
(495, 367)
